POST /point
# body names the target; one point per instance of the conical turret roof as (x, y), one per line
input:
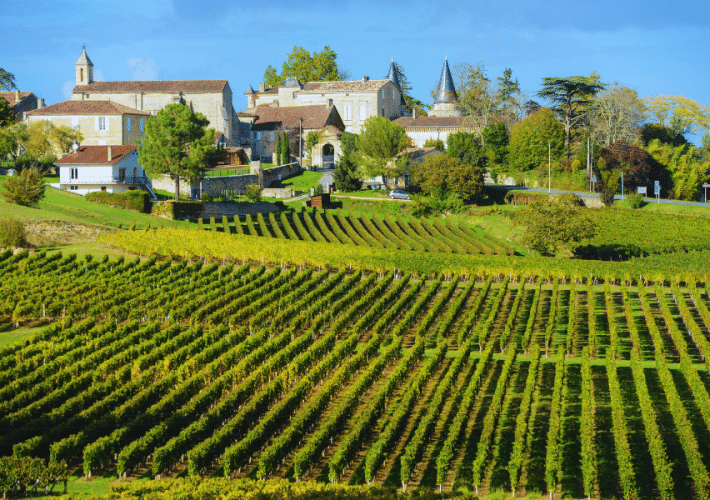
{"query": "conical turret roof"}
(250, 90)
(392, 76)
(84, 59)
(445, 90)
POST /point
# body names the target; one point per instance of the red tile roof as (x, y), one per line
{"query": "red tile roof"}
(415, 152)
(186, 86)
(10, 97)
(443, 121)
(329, 87)
(314, 117)
(97, 155)
(87, 108)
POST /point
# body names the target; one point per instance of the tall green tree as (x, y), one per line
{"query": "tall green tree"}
(467, 148)
(7, 115)
(530, 138)
(495, 142)
(345, 172)
(7, 80)
(278, 150)
(177, 143)
(686, 165)
(12, 139)
(570, 98)
(508, 93)
(680, 114)
(380, 141)
(440, 174)
(306, 67)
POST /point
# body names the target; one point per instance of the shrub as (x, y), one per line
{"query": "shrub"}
(25, 189)
(12, 233)
(138, 201)
(635, 201)
(253, 192)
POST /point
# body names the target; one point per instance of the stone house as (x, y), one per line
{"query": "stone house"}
(355, 100)
(212, 98)
(102, 168)
(22, 102)
(414, 155)
(100, 122)
(261, 125)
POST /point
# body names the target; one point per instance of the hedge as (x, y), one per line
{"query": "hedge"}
(178, 209)
(138, 201)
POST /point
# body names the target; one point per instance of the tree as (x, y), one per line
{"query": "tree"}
(637, 165)
(553, 225)
(177, 143)
(344, 174)
(615, 114)
(680, 114)
(306, 67)
(12, 233)
(379, 143)
(529, 140)
(665, 135)
(25, 188)
(570, 98)
(12, 139)
(467, 148)
(509, 93)
(435, 143)
(278, 150)
(63, 136)
(7, 80)
(440, 174)
(477, 98)
(406, 88)
(686, 165)
(495, 142)
(253, 192)
(7, 115)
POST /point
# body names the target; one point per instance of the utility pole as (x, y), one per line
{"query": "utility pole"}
(622, 186)
(549, 168)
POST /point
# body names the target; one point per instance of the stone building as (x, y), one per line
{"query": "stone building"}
(261, 125)
(355, 100)
(212, 98)
(100, 122)
(22, 102)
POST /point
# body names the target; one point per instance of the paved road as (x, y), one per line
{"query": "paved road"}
(596, 195)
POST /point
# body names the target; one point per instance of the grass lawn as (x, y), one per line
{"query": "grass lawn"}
(365, 193)
(232, 171)
(301, 182)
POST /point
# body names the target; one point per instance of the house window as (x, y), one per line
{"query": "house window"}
(142, 122)
(394, 95)
(121, 174)
(73, 188)
(347, 113)
(87, 96)
(73, 173)
(406, 180)
(102, 123)
(383, 93)
(258, 136)
(363, 112)
(272, 135)
(128, 124)
(383, 111)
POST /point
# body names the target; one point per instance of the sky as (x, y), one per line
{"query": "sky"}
(653, 47)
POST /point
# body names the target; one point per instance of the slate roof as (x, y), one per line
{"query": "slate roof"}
(445, 90)
(84, 58)
(314, 117)
(86, 108)
(162, 86)
(97, 155)
(10, 97)
(392, 76)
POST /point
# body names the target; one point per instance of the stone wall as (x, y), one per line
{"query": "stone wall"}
(216, 186)
(231, 208)
(271, 175)
(165, 183)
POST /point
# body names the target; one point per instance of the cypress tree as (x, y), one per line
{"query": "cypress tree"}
(286, 148)
(278, 148)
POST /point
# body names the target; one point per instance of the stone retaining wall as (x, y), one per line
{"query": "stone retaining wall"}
(216, 186)
(231, 208)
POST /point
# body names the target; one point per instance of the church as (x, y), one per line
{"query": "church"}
(212, 98)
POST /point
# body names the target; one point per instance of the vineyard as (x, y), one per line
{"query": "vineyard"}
(489, 382)
(395, 233)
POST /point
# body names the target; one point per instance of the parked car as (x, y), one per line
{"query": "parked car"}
(398, 194)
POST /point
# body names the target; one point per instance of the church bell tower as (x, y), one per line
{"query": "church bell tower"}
(84, 69)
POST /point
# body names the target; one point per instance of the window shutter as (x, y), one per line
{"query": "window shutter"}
(96, 123)
(107, 122)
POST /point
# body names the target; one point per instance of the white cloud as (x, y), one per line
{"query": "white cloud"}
(145, 68)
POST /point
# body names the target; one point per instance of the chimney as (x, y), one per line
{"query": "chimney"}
(40, 103)
(365, 78)
(110, 156)
(414, 113)
(262, 87)
(17, 96)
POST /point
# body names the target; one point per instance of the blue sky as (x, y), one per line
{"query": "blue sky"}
(653, 47)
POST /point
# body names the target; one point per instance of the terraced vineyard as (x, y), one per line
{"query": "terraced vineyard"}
(353, 377)
(443, 236)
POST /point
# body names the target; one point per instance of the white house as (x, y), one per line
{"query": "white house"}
(102, 168)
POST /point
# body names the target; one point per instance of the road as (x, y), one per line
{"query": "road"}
(596, 195)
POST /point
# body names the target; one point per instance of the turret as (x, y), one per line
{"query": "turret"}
(84, 69)
(445, 102)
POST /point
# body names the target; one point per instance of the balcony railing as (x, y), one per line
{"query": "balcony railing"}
(129, 179)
